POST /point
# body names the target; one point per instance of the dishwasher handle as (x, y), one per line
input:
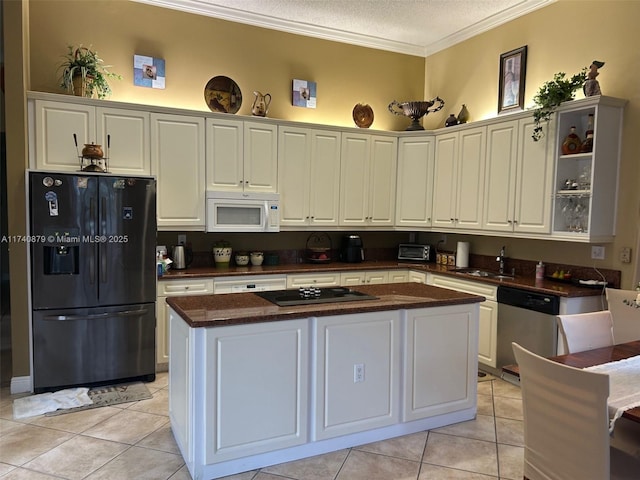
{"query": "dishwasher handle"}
(537, 302)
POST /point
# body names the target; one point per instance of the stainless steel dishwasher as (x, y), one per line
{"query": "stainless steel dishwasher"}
(528, 318)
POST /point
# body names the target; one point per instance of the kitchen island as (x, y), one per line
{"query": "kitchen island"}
(253, 384)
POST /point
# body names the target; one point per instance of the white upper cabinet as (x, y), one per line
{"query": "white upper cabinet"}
(308, 176)
(415, 182)
(518, 180)
(368, 180)
(458, 181)
(241, 156)
(178, 161)
(586, 182)
(123, 135)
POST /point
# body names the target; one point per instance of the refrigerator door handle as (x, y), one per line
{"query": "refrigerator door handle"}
(96, 316)
(102, 247)
(92, 253)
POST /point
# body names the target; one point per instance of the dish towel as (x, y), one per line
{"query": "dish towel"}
(48, 402)
(624, 385)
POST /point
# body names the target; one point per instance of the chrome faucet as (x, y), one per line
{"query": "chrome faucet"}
(500, 259)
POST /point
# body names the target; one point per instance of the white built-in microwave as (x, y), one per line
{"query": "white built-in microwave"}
(243, 212)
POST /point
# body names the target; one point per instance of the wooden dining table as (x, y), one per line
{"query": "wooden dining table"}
(590, 358)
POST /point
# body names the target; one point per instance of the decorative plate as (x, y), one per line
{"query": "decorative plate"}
(223, 95)
(363, 115)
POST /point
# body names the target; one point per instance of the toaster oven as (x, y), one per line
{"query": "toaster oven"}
(415, 252)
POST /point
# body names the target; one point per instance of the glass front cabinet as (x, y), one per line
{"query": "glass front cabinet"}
(586, 174)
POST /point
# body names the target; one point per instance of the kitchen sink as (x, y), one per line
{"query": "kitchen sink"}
(475, 272)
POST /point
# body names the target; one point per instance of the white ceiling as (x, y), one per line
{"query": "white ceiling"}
(414, 27)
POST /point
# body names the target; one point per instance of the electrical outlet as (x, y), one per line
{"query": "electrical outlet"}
(358, 373)
(443, 238)
(625, 255)
(182, 239)
(597, 252)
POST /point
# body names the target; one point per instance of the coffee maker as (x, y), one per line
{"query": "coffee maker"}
(352, 250)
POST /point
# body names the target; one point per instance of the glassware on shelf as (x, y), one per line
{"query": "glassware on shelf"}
(584, 179)
(575, 212)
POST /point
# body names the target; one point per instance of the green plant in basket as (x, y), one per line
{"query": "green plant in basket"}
(84, 73)
(551, 94)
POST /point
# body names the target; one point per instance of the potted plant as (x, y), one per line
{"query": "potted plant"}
(84, 73)
(551, 94)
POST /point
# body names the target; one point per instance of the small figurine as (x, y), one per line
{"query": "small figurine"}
(591, 87)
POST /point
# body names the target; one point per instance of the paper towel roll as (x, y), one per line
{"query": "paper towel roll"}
(462, 255)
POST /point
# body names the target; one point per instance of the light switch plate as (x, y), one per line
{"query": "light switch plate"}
(625, 255)
(597, 252)
(182, 239)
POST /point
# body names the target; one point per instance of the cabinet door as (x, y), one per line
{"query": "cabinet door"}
(256, 388)
(445, 181)
(351, 279)
(470, 178)
(354, 179)
(177, 159)
(358, 361)
(376, 277)
(415, 182)
(440, 361)
(488, 333)
(127, 134)
(294, 170)
(500, 176)
(324, 189)
(224, 154)
(534, 187)
(382, 181)
(399, 276)
(55, 125)
(260, 157)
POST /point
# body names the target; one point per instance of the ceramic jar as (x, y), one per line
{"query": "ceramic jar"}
(257, 258)
(222, 256)
(242, 259)
(91, 150)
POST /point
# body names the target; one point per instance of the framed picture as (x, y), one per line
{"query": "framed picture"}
(304, 93)
(513, 68)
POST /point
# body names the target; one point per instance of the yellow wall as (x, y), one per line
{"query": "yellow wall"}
(197, 48)
(561, 37)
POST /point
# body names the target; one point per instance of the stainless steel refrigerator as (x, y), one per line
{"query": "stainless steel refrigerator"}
(93, 278)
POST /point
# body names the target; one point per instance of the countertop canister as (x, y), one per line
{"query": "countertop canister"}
(462, 255)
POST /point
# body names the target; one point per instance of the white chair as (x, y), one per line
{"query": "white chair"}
(566, 424)
(626, 318)
(586, 331)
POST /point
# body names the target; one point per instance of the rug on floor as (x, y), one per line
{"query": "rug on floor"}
(111, 395)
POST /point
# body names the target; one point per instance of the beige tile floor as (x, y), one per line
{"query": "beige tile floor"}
(134, 441)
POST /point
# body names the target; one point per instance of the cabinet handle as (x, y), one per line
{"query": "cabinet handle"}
(515, 222)
(509, 222)
(186, 287)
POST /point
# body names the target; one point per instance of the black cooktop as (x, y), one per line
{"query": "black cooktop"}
(313, 295)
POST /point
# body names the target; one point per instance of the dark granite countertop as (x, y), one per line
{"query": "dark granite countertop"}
(243, 308)
(562, 289)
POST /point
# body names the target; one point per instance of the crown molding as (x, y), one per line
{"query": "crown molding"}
(203, 7)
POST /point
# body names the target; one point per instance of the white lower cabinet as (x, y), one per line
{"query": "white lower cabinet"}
(488, 328)
(371, 277)
(174, 288)
(358, 366)
(249, 283)
(255, 388)
(331, 279)
(417, 277)
(440, 361)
